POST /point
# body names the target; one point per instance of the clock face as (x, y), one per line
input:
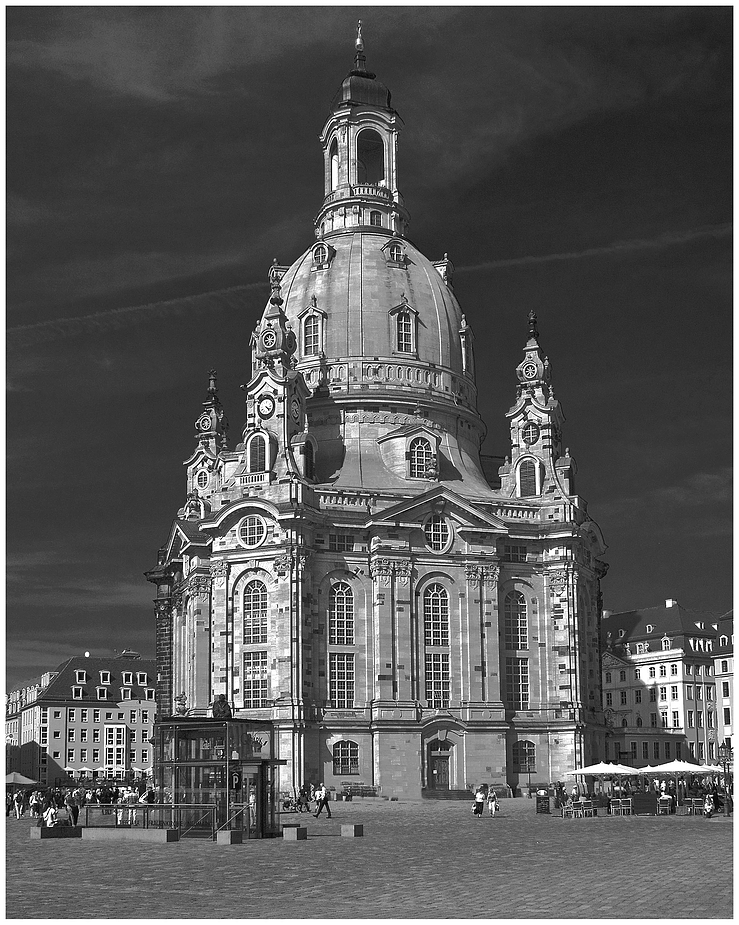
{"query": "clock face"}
(295, 409)
(529, 370)
(204, 422)
(266, 406)
(269, 339)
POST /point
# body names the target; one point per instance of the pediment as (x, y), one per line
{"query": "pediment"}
(183, 536)
(413, 512)
(408, 431)
(611, 661)
(200, 454)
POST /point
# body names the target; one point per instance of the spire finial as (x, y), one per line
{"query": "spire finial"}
(359, 58)
(533, 332)
(212, 387)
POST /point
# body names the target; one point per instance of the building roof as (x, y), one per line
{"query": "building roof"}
(724, 628)
(61, 686)
(651, 624)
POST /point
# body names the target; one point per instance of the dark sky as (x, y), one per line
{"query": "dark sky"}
(573, 160)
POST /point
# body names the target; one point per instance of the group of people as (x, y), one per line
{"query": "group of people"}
(309, 794)
(485, 795)
(57, 806)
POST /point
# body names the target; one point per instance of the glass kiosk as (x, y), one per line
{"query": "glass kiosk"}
(217, 775)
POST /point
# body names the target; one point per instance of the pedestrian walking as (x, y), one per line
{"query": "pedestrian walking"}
(131, 799)
(479, 804)
(321, 797)
(50, 816)
(73, 810)
(492, 801)
(18, 804)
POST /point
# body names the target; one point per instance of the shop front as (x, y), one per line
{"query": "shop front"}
(217, 775)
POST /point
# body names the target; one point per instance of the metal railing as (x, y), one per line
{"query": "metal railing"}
(187, 818)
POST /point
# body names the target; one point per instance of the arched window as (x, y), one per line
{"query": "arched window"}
(255, 613)
(666, 644)
(334, 155)
(515, 620)
(395, 252)
(320, 255)
(258, 454)
(436, 530)
(638, 721)
(370, 157)
(341, 615)
(420, 458)
(312, 335)
(375, 217)
(624, 723)
(404, 324)
(309, 469)
(527, 479)
(436, 616)
(524, 757)
(346, 758)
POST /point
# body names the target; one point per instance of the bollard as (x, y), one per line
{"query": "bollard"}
(229, 838)
(295, 833)
(352, 831)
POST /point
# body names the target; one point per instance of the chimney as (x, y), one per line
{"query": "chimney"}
(670, 602)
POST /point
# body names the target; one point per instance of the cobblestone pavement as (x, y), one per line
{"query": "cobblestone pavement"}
(416, 860)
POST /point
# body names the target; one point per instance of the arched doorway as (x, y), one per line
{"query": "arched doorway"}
(439, 755)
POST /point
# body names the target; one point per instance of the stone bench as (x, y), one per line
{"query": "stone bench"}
(57, 831)
(101, 833)
(294, 832)
(352, 831)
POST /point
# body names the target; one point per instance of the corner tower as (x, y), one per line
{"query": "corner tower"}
(351, 570)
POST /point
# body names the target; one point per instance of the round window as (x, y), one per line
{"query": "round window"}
(437, 533)
(252, 531)
(530, 433)
(202, 479)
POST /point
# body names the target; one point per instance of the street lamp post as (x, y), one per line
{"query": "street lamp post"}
(726, 757)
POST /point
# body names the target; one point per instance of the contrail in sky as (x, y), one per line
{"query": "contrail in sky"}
(225, 298)
(119, 317)
(665, 240)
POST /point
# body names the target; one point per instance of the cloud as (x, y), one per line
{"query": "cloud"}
(618, 247)
(698, 490)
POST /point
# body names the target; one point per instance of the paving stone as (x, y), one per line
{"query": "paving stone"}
(416, 860)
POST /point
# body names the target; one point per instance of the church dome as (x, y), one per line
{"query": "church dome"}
(369, 277)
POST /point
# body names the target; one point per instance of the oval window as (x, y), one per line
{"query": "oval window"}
(252, 531)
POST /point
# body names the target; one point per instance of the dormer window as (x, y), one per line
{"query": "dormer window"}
(125, 693)
(105, 677)
(312, 321)
(80, 676)
(421, 459)
(311, 336)
(650, 628)
(141, 678)
(102, 692)
(404, 321)
(666, 644)
(128, 677)
(322, 256)
(395, 253)
(404, 327)
(76, 693)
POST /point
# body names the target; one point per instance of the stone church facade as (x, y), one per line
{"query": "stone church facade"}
(409, 614)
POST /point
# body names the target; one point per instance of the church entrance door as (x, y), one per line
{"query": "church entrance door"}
(438, 778)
